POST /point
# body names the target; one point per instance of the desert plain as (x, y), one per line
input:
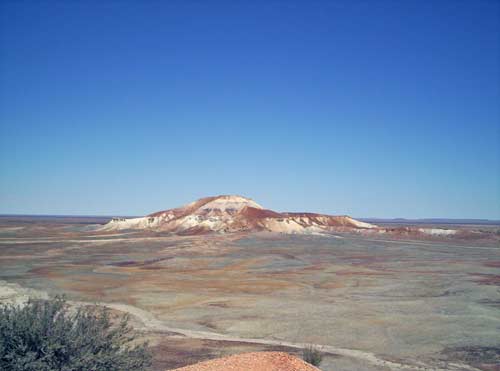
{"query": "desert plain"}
(369, 302)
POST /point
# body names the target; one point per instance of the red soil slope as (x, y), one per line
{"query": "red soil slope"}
(257, 361)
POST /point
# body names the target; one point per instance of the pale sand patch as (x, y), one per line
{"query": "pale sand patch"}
(12, 293)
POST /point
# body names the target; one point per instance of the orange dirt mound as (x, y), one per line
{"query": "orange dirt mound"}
(257, 361)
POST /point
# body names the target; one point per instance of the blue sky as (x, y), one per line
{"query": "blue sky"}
(368, 108)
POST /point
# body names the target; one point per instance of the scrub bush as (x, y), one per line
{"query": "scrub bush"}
(312, 355)
(45, 335)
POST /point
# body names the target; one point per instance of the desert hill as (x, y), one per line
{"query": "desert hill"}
(231, 213)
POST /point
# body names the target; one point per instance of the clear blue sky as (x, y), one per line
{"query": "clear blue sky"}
(370, 108)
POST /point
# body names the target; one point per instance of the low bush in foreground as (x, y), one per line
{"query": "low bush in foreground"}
(312, 355)
(44, 335)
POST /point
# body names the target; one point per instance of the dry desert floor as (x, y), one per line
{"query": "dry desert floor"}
(370, 303)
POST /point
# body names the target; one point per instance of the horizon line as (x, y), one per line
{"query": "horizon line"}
(382, 219)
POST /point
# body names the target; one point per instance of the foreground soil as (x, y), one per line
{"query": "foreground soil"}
(257, 361)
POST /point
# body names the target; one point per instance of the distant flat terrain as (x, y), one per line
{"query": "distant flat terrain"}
(430, 303)
(484, 224)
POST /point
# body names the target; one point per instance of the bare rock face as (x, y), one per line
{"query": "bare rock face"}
(256, 361)
(230, 213)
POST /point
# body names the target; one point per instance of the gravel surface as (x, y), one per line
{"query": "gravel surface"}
(257, 361)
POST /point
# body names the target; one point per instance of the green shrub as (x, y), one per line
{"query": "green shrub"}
(312, 355)
(44, 335)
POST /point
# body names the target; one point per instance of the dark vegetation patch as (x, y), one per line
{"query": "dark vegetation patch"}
(44, 335)
(486, 279)
(208, 323)
(218, 305)
(139, 263)
(489, 302)
(493, 264)
(484, 358)
(312, 355)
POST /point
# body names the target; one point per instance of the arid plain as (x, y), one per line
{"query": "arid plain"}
(371, 303)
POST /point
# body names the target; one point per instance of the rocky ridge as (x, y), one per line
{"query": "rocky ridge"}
(230, 213)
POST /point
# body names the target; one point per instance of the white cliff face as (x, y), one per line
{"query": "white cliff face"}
(132, 223)
(361, 224)
(213, 214)
(290, 226)
(230, 203)
(231, 213)
(438, 231)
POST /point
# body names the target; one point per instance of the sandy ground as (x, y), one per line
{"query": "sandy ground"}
(257, 361)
